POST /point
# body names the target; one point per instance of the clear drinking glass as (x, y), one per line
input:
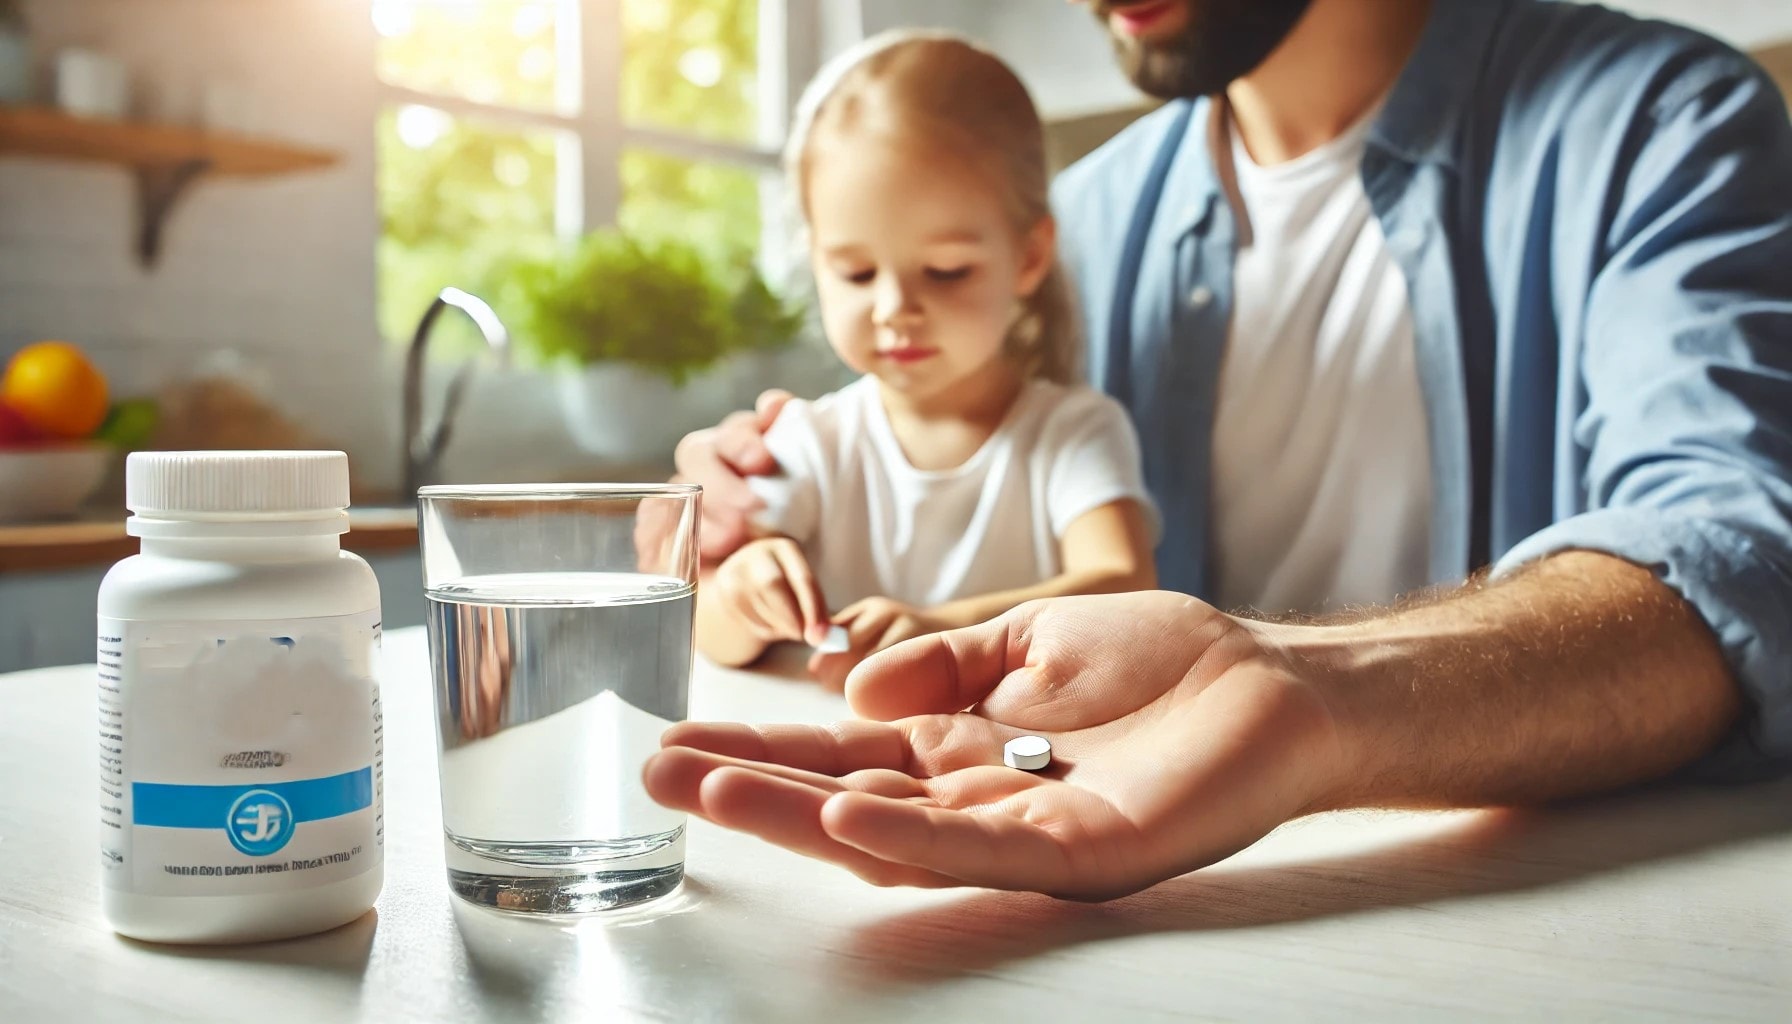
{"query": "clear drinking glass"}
(560, 641)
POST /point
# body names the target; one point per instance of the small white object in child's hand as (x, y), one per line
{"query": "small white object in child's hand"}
(838, 641)
(1028, 753)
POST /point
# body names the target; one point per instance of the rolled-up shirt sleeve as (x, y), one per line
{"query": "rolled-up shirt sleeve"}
(1687, 365)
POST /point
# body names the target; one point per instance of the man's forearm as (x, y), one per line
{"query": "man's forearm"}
(1581, 673)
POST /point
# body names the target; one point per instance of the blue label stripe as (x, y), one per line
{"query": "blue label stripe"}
(166, 806)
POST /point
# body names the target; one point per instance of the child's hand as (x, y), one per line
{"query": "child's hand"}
(873, 624)
(770, 589)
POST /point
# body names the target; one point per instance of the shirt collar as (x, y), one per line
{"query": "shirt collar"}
(1420, 119)
(1196, 182)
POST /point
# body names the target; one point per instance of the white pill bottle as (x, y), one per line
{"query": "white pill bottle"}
(239, 717)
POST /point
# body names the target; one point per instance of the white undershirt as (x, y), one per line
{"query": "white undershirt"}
(1321, 454)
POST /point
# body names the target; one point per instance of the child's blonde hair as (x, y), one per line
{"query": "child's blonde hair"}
(965, 97)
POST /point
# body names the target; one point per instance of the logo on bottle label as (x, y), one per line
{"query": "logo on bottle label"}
(260, 822)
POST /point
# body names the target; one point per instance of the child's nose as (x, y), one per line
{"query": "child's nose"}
(894, 303)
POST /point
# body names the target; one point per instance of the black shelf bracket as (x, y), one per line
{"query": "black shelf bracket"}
(159, 188)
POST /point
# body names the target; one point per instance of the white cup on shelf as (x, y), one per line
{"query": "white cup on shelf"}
(91, 84)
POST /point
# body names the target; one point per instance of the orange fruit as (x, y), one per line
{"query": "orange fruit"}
(52, 386)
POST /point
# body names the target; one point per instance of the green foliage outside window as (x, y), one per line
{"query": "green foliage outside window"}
(692, 65)
(713, 206)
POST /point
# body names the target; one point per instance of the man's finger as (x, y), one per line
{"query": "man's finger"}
(940, 673)
(674, 777)
(835, 750)
(789, 813)
(922, 747)
(994, 850)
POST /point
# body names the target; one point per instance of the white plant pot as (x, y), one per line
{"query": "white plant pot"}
(621, 413)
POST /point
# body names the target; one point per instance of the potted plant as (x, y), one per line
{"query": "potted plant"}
(655, 338)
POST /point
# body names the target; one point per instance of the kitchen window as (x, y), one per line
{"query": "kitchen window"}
(510, 126)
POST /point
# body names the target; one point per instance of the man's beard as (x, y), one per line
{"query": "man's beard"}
(1223, 41)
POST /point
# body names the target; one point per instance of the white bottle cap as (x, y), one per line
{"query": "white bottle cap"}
(1029, 753)
(247, 485)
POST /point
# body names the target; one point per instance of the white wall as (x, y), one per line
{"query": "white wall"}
(1748, 24)
(1057, 48)
(1064, 56)
(969, 18)
(280, 271)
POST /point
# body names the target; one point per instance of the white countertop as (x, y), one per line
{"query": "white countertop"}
(1673, 904)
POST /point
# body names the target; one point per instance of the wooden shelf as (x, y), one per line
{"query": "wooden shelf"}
(165, 159)
(47, 547)
(39, 131)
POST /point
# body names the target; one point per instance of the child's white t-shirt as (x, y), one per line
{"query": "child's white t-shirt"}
(874, 525)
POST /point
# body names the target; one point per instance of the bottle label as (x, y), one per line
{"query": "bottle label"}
(239, 757)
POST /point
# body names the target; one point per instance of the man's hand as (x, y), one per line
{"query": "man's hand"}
(1177, 738)
(874, 624)
(769, 591)
(719, 459)
(1182, 735)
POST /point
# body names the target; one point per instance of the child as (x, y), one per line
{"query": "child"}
(963, 473)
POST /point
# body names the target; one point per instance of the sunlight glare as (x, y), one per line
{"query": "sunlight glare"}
(392, 18)
(531, 20)
(420, 127)
(701, 66)
(536, 64)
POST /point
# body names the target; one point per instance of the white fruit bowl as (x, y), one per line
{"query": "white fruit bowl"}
(50, 481)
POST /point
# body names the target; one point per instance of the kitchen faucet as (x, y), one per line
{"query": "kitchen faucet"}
(420, 454)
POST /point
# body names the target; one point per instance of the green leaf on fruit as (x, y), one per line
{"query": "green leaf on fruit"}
(129, 424)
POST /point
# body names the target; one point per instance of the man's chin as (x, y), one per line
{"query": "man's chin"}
(1165, 76)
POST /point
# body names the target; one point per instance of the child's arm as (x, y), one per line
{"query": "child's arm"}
(762, 594)
(1105, 550)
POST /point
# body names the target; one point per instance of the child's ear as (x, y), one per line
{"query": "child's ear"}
(1039, 250)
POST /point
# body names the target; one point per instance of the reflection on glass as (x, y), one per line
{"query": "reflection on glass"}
(484, 677)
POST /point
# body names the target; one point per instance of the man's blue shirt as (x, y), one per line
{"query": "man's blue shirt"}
(1593, 214)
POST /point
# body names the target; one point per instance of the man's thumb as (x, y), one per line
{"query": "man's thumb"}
(937, 674)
